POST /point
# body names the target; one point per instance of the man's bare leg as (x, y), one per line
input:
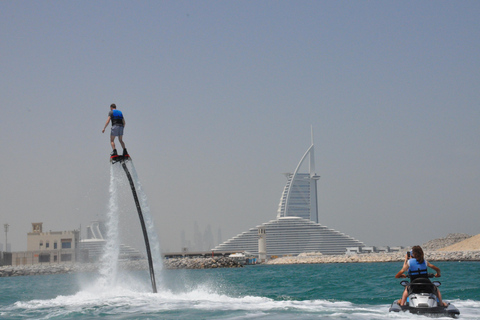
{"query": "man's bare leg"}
(120, 138)
(112, 142)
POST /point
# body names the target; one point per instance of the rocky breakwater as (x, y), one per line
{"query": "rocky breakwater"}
(450, 239)
(177, 263)
(44, 269)
(454, 247)
(201, 263)
(312, 258)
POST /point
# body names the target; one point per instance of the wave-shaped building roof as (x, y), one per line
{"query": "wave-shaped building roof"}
(296, 228)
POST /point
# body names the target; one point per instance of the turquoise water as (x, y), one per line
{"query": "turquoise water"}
(321, 291)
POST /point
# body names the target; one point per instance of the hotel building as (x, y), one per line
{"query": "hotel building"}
(296, 228)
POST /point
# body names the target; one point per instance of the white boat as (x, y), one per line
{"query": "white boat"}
(239, 257)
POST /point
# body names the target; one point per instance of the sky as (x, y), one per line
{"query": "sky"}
(219, 98)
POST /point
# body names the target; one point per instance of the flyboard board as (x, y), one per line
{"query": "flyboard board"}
(122, 159)
(119, 158)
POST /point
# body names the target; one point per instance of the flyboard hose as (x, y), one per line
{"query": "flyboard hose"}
(144, 229)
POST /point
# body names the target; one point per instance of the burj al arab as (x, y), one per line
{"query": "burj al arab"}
(296, 228)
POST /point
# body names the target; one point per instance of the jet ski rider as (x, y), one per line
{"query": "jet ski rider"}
(416, 266)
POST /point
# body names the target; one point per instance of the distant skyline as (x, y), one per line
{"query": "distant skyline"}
(219, 98)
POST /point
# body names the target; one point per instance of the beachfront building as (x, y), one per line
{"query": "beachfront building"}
(54, 247)
(48, 247)
(295, 229)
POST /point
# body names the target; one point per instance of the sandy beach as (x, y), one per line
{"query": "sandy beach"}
(461, 250)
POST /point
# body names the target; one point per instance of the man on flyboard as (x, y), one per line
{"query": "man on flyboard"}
(118, 124)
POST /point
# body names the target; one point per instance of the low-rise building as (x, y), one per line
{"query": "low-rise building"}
(48, 247)
(383, 249)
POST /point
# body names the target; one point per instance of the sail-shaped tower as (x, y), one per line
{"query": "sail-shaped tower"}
(299, 197)
(296, 228)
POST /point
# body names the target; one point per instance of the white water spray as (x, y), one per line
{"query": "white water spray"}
(152, 234)
(109, 260)
(119, 192)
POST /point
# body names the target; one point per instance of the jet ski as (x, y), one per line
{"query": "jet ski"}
(422, 299)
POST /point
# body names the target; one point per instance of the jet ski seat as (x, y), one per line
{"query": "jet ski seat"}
(424, 285)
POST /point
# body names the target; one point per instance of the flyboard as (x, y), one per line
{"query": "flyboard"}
(122, 159)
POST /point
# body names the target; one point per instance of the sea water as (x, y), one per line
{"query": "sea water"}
(316, 291)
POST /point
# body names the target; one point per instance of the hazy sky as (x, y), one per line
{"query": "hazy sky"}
(219, 97)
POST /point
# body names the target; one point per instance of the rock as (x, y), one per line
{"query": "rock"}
(201, 263)
(449, 240)
(379, 257)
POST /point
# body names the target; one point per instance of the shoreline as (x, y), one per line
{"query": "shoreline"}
(209, 263)
(312, 258)
(175, 263)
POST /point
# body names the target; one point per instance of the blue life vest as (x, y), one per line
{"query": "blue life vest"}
(417, 270)
(117, 117)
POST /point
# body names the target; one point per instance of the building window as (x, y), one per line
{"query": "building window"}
(66, 257)
(66, 243)
(55, 245)
(44, 257)
(55, 258)
(47, 244)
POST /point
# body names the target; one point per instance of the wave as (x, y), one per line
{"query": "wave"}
(124, 303)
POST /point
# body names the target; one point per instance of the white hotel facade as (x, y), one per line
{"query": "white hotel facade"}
(296, 228)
